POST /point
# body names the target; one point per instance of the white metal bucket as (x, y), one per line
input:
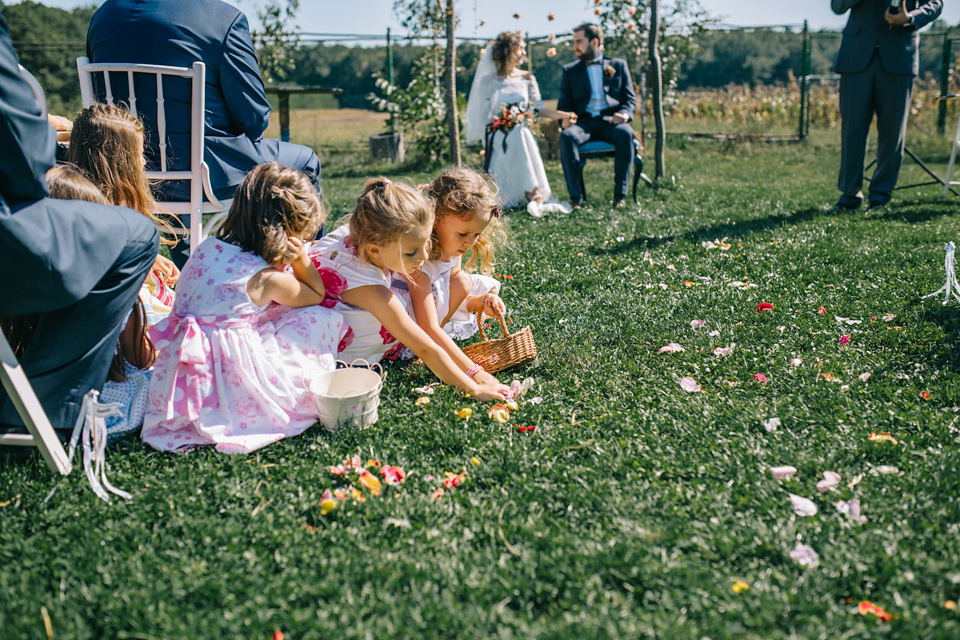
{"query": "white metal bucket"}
(348, 397)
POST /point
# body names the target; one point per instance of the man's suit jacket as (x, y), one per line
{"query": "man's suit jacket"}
(179, 33)
(52, 252)
(618, 87)
(866, 30)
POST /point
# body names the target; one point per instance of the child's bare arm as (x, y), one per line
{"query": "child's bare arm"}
(385, 306)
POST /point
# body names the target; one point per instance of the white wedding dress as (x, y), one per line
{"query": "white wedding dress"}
(518, 168)
(516, 165)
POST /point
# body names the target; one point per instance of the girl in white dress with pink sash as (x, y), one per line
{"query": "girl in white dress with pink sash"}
(246, 335)
(388, 236)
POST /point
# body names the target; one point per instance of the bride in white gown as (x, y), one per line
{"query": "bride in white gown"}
(512, 154)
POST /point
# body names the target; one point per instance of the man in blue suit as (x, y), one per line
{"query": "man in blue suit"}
(599, 90)
(878, 61)
(78, 265)
(179, 33)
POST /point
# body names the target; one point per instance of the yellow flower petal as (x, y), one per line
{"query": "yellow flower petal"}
(422, 401)
(475, 460)
(465, 414)
(739, 586)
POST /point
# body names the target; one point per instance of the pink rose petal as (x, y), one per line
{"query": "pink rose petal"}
(845, 339)
(830, 480)
(864, 376)
(723, 351)
(851, 509)
(696, 324)
(672, 347)
(803, 506)
(805, 556)
(759, 377)
(796, 362)
(783, 472)
(689, 385)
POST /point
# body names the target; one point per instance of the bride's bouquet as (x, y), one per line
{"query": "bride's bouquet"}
(512, 115)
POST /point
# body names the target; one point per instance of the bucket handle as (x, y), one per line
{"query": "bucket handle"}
(380, 370)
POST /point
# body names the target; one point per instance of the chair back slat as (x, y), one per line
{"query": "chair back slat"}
(132, 96)
(162, 124)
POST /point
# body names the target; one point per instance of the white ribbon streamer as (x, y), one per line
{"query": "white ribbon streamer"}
(91, 429)
(952, 286)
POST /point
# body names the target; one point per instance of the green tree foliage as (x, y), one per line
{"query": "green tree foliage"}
(48, 41)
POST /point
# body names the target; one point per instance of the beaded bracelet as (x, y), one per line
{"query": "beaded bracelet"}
(474, 370)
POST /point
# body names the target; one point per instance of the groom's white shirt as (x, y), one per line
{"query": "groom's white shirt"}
(598, 100)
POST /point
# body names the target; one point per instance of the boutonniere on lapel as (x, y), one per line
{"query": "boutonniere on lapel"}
(608, 70)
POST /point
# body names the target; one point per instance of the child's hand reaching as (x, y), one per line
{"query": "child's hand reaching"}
(492, 391)
(167, 271)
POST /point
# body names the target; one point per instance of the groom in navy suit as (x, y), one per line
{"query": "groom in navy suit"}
(179, 33)
(78, 265)
(599, 90)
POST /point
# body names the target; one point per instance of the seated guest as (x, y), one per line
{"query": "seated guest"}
(599, 90)
(179, 33)
(79, 265)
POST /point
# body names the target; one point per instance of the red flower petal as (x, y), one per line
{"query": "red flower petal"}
(764, 306)
(530, 428)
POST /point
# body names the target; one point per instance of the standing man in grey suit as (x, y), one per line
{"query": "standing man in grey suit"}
(599, 90)
(878, 61)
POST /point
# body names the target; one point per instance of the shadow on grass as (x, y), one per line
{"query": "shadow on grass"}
(729, 230)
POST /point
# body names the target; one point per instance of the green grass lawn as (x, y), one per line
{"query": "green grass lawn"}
(634, 507)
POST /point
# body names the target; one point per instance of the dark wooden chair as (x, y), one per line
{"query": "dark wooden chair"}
(597, 149)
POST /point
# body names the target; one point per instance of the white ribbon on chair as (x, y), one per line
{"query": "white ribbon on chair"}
(952, 286)
(92, 429)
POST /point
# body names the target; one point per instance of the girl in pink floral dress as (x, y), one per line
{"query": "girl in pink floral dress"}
(229, 373)
(387, 237)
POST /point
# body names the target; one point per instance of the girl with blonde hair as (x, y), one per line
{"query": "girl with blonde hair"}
(388, 237)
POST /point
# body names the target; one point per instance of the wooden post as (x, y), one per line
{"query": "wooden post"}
(805, 71)
(449, 72)
(392, 120)
(945, 60)
(283, 98)
(656, 77)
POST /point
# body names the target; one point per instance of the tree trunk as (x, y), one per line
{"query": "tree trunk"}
(449, 72)
(656, 81)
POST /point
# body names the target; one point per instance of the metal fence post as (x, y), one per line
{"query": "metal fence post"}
(805, 61)
(944, 83)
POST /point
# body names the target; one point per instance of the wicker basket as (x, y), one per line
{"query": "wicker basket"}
(509, 351)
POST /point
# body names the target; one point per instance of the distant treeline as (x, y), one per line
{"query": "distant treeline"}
(48, 41)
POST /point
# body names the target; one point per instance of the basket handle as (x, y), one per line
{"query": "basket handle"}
(366, 365)
(503, 325)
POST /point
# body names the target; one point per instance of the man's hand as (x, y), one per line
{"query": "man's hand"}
(569, 118)
(900, 18)
(617, 119)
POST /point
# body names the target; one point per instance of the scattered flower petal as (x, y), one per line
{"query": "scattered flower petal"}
(822, 311)
(950, 604)
(783, 472)
(856, 480)
(759, 377)
(803, 506)
(885, 470)
(796, 362)
(427, 390)
(475, 460)
(370, 481)
(724, 351)
(530, 428)
(393, 475)
(499, 413)
(689, 385)
(925, 395)
(882, 436)
(327, 502)
(453, 479)
(696, 324)
(341, 494)
(551, 52)
(714, 334)
(830, 480)
(436, 494)
(739, 586)
(672, 347)
(867, 607)
(888, 317)
(864, 376)
(845, 339)
(841, 320)
(764, 306)
(422, 401)
(851, 509)
(373, 463)
(536, 400)
(399, 523)
(805, 556)
(465, 414)
(771, 424)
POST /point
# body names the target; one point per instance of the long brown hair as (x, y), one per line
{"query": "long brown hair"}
(503, 47)
(67, 182)
(464, 193)
(107, 145)
(271, 203)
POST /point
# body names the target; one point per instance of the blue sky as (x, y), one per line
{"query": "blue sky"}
(374, 16)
